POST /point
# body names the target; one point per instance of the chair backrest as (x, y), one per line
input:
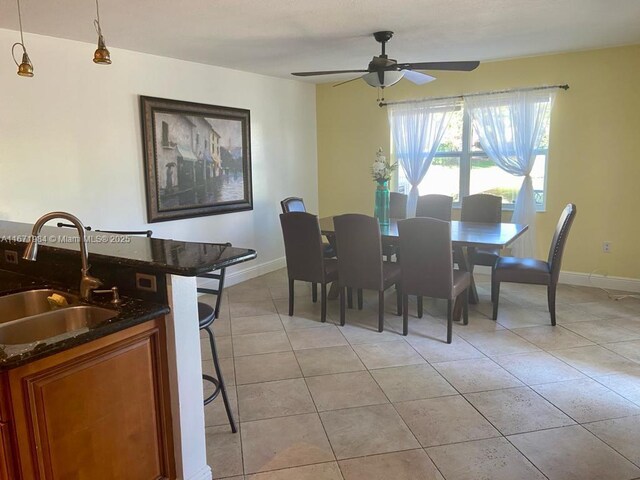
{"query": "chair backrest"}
(482, 208)
(435, 206)
(292, 204)
(560, 239)
(425, 257)
(360, 247)
(398, 205)
(302, 246)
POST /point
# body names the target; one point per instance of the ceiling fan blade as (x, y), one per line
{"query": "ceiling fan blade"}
(346, 81)
(453, 66)
(417, 77)
(328, 72)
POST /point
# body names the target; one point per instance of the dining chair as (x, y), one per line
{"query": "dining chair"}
(398, 205)
(360, 264)
(434, 206)
(482, 208)
(304, 255)
(534, 271)
(292, 204)
(427, 268)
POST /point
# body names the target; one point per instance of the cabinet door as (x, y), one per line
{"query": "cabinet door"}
(6, 458)
(100, 416)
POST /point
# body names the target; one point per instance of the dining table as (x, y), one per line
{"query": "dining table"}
(464, 235)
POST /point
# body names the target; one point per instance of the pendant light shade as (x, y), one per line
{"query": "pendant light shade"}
(389, 78)
(101, 56)
(25, 67)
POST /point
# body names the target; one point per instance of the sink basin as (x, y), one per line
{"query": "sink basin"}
(29, 303)
(51, 324)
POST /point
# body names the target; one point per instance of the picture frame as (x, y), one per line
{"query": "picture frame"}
(197, 159)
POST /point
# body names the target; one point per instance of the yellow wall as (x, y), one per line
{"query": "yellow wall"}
(594, 151)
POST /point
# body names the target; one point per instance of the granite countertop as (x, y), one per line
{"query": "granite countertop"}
(162, 255)
(131, 312)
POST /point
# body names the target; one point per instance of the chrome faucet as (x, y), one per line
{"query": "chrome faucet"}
(87, 282)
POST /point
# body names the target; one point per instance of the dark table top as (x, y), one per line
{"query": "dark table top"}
(462, 233)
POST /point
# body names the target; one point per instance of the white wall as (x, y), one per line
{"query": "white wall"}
(70, 139)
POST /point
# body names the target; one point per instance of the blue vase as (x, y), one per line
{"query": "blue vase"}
(381, 210)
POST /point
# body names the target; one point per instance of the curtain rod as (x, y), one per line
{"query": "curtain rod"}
(495, 92)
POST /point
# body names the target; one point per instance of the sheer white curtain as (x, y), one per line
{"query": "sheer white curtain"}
(417, 129)
(510, 127)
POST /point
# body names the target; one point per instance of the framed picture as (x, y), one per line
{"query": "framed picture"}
(197, 159)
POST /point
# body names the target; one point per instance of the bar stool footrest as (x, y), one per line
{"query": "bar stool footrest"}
(216, 392)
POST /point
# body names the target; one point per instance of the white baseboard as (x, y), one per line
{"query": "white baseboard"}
(202, 474)
(587, 280)
(244, 274)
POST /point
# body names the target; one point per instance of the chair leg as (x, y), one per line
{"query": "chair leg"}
(399, 299)
(323, 302)
(380, 310)
(419, 306)
(350, 297)
(495, 298)
(360, 300)
(291, 297)
(465, 308)
(342, 299)
(223, 388)
(449, 320)
(551, 297)
(405, 314)
(314, 292)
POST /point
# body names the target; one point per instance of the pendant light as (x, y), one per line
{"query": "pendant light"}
(101, 55)
(25, 68)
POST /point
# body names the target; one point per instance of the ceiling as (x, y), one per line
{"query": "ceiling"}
(276, 37)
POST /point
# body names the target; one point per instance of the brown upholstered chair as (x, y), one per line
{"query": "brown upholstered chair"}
(360, 262)
(304, 253)
(398, 205)
(434, 206)
(482, 208)
(534, 271)
(427, 267)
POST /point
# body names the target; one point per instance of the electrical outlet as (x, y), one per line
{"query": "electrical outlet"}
(11, 256)
(606, 247)
(146, 282)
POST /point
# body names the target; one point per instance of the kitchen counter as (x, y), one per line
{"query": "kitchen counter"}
(131, 312)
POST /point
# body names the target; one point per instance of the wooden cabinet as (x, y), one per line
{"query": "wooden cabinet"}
(97, 411)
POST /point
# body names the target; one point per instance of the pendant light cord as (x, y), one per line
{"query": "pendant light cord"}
(20, 22)
(96, 22)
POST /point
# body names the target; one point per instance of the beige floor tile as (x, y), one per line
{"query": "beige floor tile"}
(387, 354)
(222, 327)
(630, 350)
(406, 465)
(489, 459)
(284, 442)
(601, 331)
(354, 432)
(301, 290)
(628, 323)
(228, 370)
(518, 410)
(517, 317)
(443, 420)
(344, 390)
(412, 382)
(259, 324)
(266, 367)
(243, 293)
(476, 375)
(224, 453)
(357, 334)
(586, 400)
(316, 338)
(502, 342)
(252, 309)
(223, 347)
(258, 343)
(215, 413)
(281, 398)
(572, 453)
(437, 350)
(319, 471)
(324, 361)
(478, 323)
(300, 321)
(625, 384)
(623, 434)
(552, 338)
(612, 309)
(596, 361)
(537, 367)
(571, 313)
(303, 307)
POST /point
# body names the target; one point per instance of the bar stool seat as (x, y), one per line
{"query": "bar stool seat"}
(206, 317)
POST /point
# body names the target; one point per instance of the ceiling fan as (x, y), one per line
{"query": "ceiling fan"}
(384, 71)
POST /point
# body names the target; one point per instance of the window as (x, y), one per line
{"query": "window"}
(462, 168)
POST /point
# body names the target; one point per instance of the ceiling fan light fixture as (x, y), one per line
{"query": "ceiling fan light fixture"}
(390, 77)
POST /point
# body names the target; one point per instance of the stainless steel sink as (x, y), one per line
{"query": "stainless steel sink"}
(52, 324)
(29, 303)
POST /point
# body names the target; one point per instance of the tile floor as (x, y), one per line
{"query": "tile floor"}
(512, 399)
